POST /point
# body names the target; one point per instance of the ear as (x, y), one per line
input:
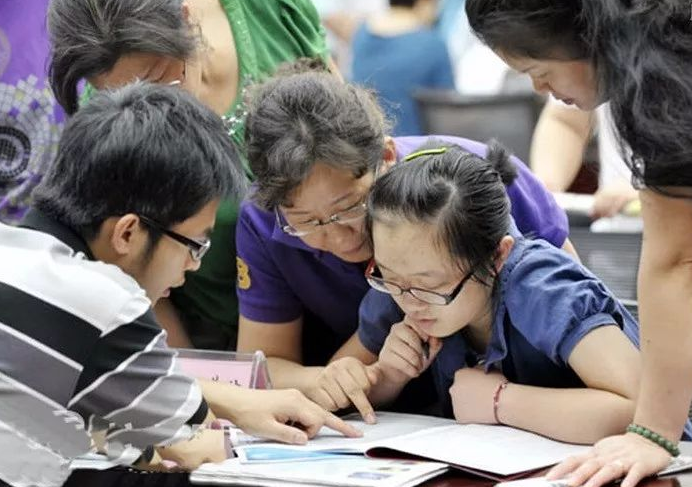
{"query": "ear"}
(128, 235)
(388, 156)
(503, 251)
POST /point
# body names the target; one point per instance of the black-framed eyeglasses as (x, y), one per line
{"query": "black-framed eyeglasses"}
(197, 249)
(345, 217)
(376, 281)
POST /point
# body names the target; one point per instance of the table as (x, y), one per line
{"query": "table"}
(455, 478)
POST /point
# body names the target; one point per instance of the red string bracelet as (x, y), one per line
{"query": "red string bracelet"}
(496, 399)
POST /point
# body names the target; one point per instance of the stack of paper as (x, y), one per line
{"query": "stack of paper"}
(337, 471)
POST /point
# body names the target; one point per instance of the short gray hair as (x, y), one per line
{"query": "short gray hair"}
(88, 37)
(298, 120)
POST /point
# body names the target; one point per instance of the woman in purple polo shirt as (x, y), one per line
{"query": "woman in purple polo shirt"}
(315, 145)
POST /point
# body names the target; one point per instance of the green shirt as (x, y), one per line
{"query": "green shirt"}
(266, 33)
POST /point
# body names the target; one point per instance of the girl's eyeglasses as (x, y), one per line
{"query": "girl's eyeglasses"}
(376, 281)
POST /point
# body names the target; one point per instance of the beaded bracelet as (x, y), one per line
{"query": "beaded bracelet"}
(654, 437)
(496, 399)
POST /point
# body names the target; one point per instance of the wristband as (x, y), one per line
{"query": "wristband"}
(496, 399)
(654, 437)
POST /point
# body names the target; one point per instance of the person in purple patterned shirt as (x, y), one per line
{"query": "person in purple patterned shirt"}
(30, 118)
(315, 145)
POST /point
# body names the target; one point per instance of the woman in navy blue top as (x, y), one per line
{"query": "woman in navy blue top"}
(517, 331)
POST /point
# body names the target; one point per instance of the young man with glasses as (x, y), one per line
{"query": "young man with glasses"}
(316, 146)
(123, 213)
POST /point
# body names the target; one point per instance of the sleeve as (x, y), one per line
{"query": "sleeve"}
(376, 315)
(264, 295)
(534, 209)
(554, 302)
(302, 21)
(132, 386)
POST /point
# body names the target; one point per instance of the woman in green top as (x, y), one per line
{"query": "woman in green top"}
(212, 48)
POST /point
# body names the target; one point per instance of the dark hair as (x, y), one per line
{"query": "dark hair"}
(462, 194)
(642, 52)
(145, 149)
(402, 3)
(299, 120)
(301, 65)
(539, 29)
(88, 37)
(645, 61)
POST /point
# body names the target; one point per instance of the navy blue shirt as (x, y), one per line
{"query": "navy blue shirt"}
(547, 303)
(395, 66)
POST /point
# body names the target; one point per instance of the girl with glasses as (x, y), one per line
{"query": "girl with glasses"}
(516, 331)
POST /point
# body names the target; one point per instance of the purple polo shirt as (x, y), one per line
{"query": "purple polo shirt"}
(30, 118)
(285, 279)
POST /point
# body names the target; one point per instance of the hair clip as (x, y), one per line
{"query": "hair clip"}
(425, 152)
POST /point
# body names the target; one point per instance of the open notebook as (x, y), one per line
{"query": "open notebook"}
(495, 452)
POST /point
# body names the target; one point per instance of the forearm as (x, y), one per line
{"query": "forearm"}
(286, 374)
(354, 348)
(170, 320)
(572, 415)
(388, 387)
(666, 346)
(558, 145)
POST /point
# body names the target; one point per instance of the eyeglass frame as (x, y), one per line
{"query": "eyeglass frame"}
(317, 223)
(447, 298)
(197, 249)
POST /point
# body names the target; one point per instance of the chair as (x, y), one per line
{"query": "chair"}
(509, 118)
(613, 257)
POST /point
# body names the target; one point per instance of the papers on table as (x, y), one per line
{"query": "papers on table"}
(339, 471)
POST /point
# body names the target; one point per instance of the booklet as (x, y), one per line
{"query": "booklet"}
(495, 452)
(242, 369)
(334, 470)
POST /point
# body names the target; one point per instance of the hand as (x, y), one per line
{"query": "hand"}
(612, 458)
(266, 414)
(205, 446)
(609, 201)
(344, 382)
(402, 357)
(472, 395)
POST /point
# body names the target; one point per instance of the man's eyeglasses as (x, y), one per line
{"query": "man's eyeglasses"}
(197, 249)
(349, 215)
(374, 278)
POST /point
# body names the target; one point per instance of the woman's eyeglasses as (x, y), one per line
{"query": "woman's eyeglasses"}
(345, 217)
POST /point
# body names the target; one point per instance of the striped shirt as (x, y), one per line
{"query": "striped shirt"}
(80, 353)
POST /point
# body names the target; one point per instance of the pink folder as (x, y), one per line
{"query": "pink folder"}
(242, 369)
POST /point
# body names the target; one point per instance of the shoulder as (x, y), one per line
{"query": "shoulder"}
(408, 144)
(255, 219)
(535, 262)
(39, 265)
(540, 278)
